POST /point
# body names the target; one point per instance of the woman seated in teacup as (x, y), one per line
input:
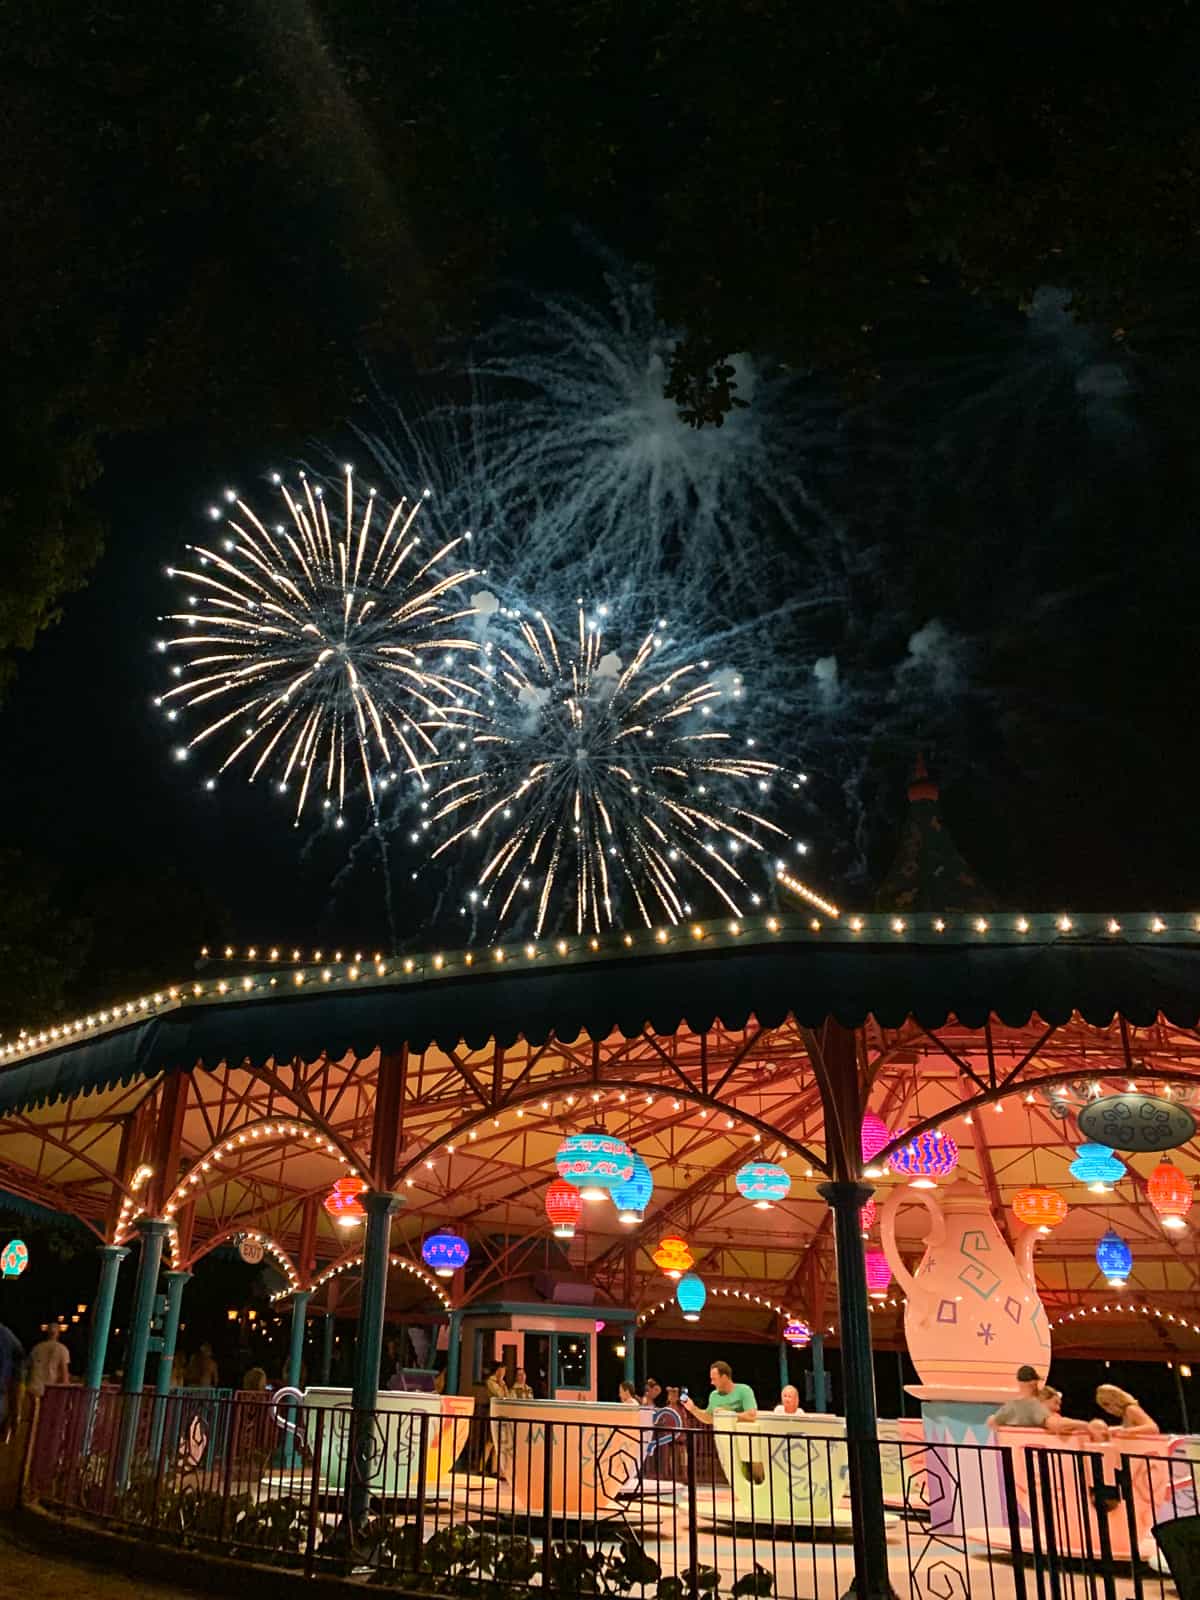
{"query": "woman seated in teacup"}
(1132, 1421)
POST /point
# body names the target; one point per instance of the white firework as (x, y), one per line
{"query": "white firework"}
(597, 786)
(321, 649)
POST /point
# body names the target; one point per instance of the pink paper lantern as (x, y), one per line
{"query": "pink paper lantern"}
(875, 1135)
(879, 1274)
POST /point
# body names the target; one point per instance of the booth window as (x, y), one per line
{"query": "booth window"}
(571, 1362)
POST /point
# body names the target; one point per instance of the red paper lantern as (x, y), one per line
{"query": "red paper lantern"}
(879, 1274)
(564, 1207)
(343, 1204)
(1039, 1208)
(1170, 1194)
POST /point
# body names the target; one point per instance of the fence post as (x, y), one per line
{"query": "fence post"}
(548, 1508)
(1014, 1520)
(689, 1445)
(310, 1542)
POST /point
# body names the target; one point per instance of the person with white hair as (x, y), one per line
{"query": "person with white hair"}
(789, 1402)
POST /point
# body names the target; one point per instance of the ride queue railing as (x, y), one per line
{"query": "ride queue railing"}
(665, 1512)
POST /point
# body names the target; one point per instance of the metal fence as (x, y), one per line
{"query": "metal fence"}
(610, 1507)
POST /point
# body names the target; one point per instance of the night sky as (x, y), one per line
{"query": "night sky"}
(1021, 471)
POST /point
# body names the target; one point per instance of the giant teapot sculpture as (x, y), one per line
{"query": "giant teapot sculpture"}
(973, 1314)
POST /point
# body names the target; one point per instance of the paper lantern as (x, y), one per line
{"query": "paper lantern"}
(594, 1162)
(673, 1256)
(1095, 1165)
(632, 1198)
(1170, 1194)
(867, 1215)
(343, 1204)
(1114, 1258)
(445, 1252)
(1039, 1208)
(14, 1259)
(925, 1159)
(879, 1274)
(875, 1135)
(690, 1296)
(763, 1182)
(797, 1334)
(564, 1207)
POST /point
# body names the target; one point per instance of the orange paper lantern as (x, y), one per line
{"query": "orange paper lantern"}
(673, 1256)
(343, 1204)
(1040, 1208)
(1170, 1194)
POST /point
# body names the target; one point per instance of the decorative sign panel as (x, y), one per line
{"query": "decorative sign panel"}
(1136, 1122)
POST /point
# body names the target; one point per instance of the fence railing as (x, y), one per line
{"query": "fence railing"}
(611, 1507)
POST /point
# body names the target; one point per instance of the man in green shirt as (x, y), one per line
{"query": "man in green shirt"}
(726, 1396)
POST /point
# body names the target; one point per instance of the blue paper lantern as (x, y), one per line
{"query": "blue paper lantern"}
(763, 1182)
(445, 1252)
(1095, 1165)
(594, 1162)
(925, 1159)
(690, 1296)
(632, 1198)
(1114, 1258)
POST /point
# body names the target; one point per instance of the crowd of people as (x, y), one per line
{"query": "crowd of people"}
(1037, 1405)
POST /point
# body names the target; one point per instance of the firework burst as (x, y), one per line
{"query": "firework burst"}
(320, 650)
(594, 785)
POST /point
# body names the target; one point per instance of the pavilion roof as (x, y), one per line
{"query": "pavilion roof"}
(885, 966)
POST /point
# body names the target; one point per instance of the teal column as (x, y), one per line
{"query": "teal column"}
(368, 1351)
(296, 1349)
(170, 1334)
(327, 1331)
(380, 1207)
(453, 1351)
(111, 1257)
(630, 1352)
(154, 1235)
(820, 1387)
(871, 1581)
(784, 1378)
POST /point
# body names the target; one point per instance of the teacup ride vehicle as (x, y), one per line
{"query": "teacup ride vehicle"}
(410, 1435)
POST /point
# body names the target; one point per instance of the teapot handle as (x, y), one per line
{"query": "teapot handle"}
(1024, 1256)
(887, 1232)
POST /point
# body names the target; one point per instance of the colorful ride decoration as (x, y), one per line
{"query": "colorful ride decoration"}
(796, 1333)
(672, 1256)
(926, 1158)
(632, 1198)
(1095, 1165)
(595, 1162)
(879, 1274)
(1170, 1193)
(1039, 1207)
(972, 1314)
(1137, 1122)
(445, 1252)
(763, 1182)
(1114, 1258)
(344, 1204)
(876, 1135)
(690, 1295)
(14, 1259)
(564, 1208)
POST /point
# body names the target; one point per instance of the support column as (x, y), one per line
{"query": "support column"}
(871, 1581)
(296, 1349)
(630, 1352)
(328, 1326)
(111, 1257)
(176, 1281)
(453, 1351)
(820, 1387)
(154, 1235)
(380, 1207)
(784, 1375)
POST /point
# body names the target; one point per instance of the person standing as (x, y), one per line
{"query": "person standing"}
(651, 1393)
(497, 1388)
(1026, 1411)
(11, 1357)
(49, 1361)
(521, 1389)
(726, 1396)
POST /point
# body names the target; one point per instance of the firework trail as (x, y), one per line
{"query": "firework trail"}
(598, 787)
(322, 649)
